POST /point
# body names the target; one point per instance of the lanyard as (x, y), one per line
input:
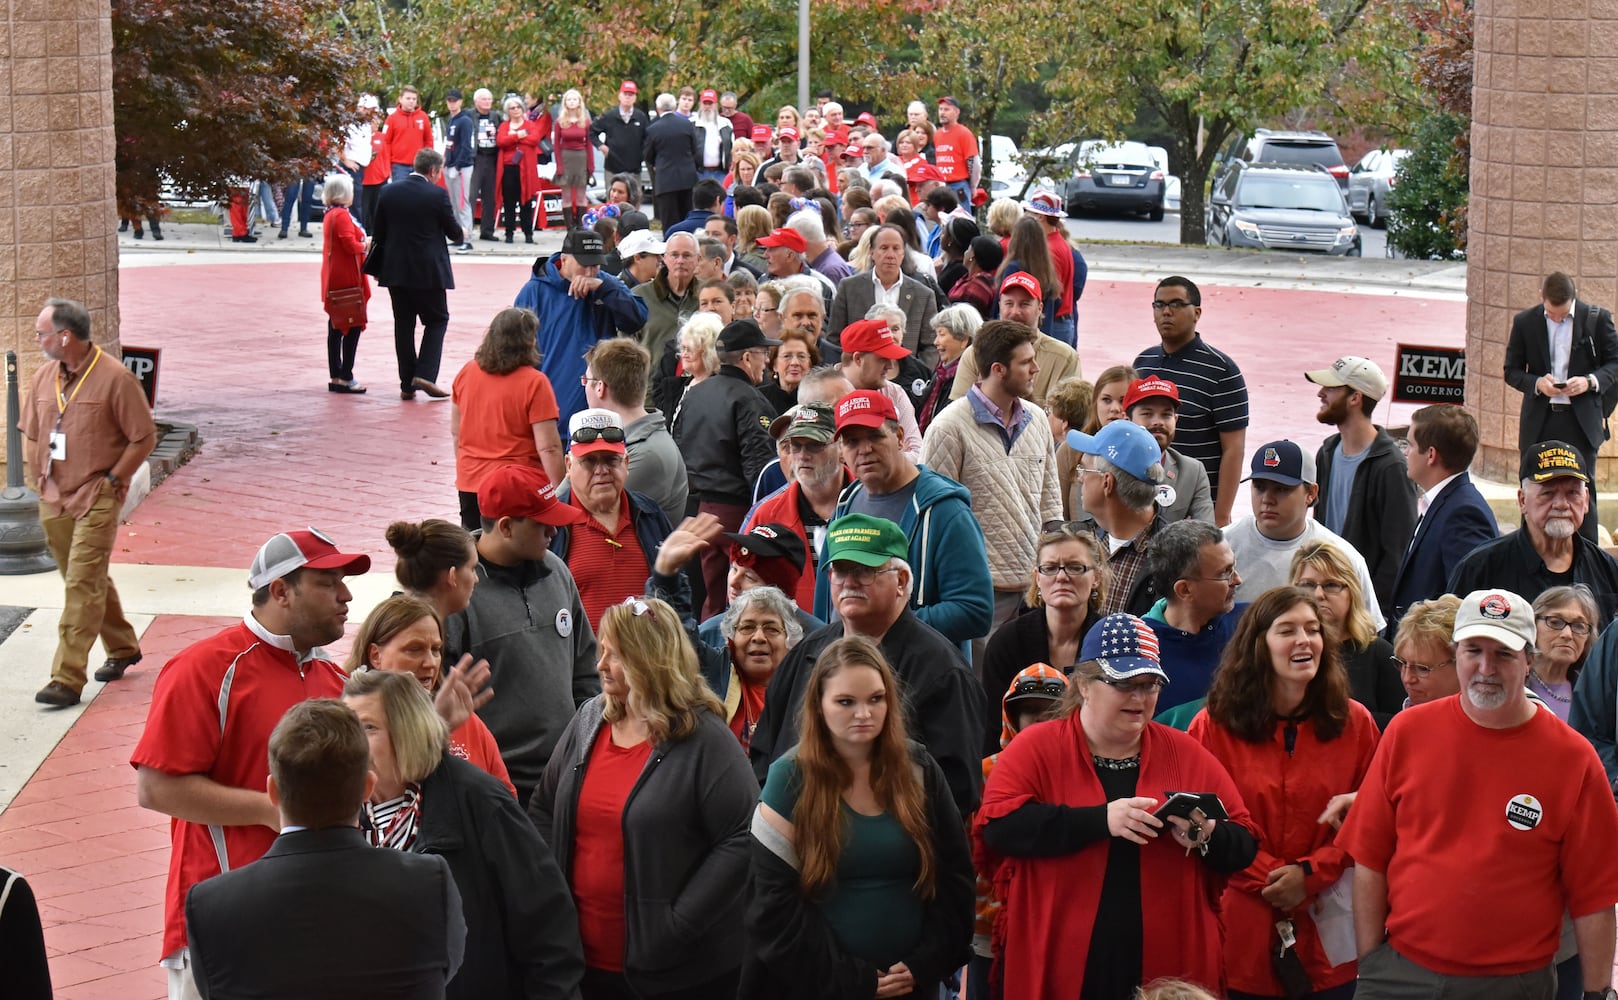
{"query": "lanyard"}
(63, 401)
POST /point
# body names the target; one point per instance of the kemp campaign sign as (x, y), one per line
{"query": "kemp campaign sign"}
(142, 362)
(1429, 374)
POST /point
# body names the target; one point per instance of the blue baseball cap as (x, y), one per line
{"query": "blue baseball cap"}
(1282, 462)
(1123, 646)
(1127, 445)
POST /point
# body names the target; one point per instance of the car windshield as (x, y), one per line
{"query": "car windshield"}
(1308, 193)
(1301, 152)
(1133, 155)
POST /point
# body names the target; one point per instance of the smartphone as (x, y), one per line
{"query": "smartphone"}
(1560, 385)
(1182, 803)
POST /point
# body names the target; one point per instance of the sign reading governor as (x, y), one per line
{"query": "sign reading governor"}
(1430, 374)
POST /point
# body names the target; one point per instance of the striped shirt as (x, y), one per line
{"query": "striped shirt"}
(1213, 398)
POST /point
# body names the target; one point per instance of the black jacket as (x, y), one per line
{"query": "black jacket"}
(723, 429)
(793, 953)
(1014, 647)
(944, 703)
(402, 940)
(625, 141)
(522, 934)
(685, 847)
(1373, 679)
(1594, 352)
(411, 232)
(671, 150)
(1381, 512)
(1511, 563)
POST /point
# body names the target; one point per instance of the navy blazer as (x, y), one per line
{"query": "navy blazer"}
(1457, 521)
(323, 915)
(1594, 352)
(411, 231)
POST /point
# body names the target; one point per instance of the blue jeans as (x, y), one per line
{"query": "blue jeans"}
(266, 203)
(1066, 329)
(400, 171)
(705, 174)
(304, 192)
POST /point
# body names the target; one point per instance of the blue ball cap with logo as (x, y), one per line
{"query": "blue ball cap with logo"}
(1129, 446)
(1282, 462)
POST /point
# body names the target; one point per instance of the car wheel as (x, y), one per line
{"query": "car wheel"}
(1356, 250)
(1373, 214)
(1156, 213)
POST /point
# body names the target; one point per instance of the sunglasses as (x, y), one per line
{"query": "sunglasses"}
(589, 435)
(1049, 687)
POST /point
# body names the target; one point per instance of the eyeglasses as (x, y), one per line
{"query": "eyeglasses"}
(587, 381)
(1229, 576)
(1071, 569)
(1419, 669)
(1081, 470)
(1145, 688)
(859, 574)
(639, 608)
(770, 629)
(1557, 623)
(1331, 588)
(1173, 305)
(588, 435)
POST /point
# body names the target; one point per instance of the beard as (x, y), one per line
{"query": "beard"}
(1561, 527)
(1333, 413)
(1486, 696)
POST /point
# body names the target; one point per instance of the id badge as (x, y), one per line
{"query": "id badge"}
(58, 442)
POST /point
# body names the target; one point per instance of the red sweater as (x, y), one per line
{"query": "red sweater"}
(1286, 793)
(407, 133)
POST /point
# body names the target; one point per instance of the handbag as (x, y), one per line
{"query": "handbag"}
(345, 299)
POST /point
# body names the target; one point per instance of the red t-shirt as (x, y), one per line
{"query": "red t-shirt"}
(953, 146)
(407, 133)
(498, 414)
(1062, 258)
(188, 732)
(598, 848)
(608, 567)
(474, 744)
(1485, 836)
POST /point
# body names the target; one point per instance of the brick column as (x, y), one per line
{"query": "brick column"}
(57, 216)
(1544, 189)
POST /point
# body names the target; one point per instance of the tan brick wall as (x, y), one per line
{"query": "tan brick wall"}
(57, 217)
(1544, 188)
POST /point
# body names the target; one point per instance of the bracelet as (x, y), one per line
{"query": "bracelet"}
(112, 477)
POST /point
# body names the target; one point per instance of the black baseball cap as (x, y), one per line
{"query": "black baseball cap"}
(743, 335)
(771, 541)
(585, 246)
(452, 94)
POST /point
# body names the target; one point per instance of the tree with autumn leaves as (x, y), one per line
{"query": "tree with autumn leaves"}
(208, 91)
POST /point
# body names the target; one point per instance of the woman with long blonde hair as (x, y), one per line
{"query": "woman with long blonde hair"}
(862, 881)
(575, 156)
(1368, 659)
(646, 802)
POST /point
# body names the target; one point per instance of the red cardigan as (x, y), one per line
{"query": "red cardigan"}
(340, 263)
(1049, 911)
(527, 162)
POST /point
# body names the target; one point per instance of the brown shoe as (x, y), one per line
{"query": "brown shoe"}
(57, 695)
(115, 666)
(429, 388)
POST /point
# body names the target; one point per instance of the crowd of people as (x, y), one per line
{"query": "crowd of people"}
(720, 716)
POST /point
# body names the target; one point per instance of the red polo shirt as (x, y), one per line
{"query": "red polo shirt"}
(607, 566)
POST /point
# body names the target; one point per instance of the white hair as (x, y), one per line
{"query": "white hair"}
(483, 92)
(827, 108)
(884, 188)
(506, 104)
(808, 224)
(916, 106)
(338, 190)
(886, 146)
(665, 103)
(769, 599)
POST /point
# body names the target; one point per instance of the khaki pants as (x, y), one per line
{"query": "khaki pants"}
(90, 608)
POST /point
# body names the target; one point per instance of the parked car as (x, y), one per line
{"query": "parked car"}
(1109, 176)
(1008, 178)
(1281, 206)
(1267, 145)
(1369, 183)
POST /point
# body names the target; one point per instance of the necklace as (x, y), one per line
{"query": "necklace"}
(1546, 686)
(1115, 763)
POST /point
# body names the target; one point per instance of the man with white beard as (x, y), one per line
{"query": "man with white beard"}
(1547, 551)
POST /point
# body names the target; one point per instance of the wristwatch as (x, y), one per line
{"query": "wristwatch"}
(1607, 994)
(112, 477)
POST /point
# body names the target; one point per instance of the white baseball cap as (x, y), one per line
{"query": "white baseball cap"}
(1359, 374)
(638, 242)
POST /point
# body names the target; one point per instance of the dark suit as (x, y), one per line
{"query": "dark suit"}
(413, 228)
(1594, 352)
(1457, 521)
(671, 152)
(325, 915)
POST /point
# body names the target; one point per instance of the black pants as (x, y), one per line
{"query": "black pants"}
(369, 193)
(1561, 425)
(601, 985)
(485, 171)
(672, 206)
(340, 348)
(510, 194)
(431, 306)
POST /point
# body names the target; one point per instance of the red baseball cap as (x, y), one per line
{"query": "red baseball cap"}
(761, 133)
(709, 97)
(871, 336)
(864, 408)
(922, 171)
(866, 118)
(853, 151)
(1024, 281)
(1150, 388)
(789, 238)
(525, 492)
(789, 133)
(837, 136)
(628, 87)
(980, 197)
(295, 550)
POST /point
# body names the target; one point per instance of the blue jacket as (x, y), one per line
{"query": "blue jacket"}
(952, 591)
(1594, 712)
(651, 527)
(1457, 521)
(462, 136)
(694, 221)
(568, 327)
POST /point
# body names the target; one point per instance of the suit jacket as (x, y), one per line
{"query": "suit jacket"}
(409, 230)
(1457, 521)
(856, 294)
(325, 916)
(1595, 352)
(671, 150)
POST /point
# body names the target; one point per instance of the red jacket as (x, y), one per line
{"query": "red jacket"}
(781, 507)
(378, 170)
(1286, 793)
(407, 133)
(526, 149)
(340, 261)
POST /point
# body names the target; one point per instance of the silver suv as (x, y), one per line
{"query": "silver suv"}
(1281, 206)
(1268, 145)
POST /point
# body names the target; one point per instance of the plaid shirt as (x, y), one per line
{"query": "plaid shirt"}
(1127, 565)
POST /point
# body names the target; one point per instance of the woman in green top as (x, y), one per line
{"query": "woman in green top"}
(862, 879)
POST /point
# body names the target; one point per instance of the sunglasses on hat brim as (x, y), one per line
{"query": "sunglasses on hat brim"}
(589, 435)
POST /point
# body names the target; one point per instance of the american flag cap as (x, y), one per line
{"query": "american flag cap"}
(1123, 646)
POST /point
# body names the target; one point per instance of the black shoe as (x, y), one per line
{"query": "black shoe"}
(115, 666)
(157, 233)
(123, 226)
(57, 695)
(528, 237)
(511, 237)
(282, 235)
(306, 234)
(352, 388)
(244, 239)
(407, 394)
(140, 234)
(489, 238)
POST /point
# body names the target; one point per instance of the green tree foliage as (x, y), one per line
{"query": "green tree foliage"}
(209, 90)
(1427, 204)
